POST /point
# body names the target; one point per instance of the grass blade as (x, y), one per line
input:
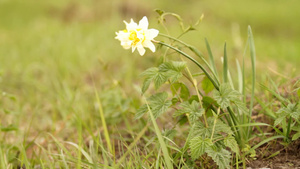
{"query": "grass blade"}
(64, 159)
(129, 149)
(225, 66)
(263, 142)
(84, 153)
(281, 99)
(161, 140)
(24, 159)
(211, 58)
(106, 134)
(253, 57)
(240, 76)
(3, 161)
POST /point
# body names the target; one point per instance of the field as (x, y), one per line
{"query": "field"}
(70, 93)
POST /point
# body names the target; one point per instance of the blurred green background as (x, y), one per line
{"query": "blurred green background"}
(53, 53)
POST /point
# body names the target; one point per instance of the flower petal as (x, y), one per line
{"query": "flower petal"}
(151, 33)
(131, 26)
(143, 24)
(149, 45)
(122, 36)
(133, 49)
(126, 44)
(141, 50)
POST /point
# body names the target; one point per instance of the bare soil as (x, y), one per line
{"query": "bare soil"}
(288, 158)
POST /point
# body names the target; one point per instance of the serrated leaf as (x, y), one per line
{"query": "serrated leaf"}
(207, 86)
(159, 103)
(221, 157)
(149, 75)
(230, 142)
(166, 71)
(179, 113)
(291, 110)
(220, 126)
(295, 114)
(141, 111)
(279, 120)
(159, 79)
(200, 130)
(174, 65)
(153, 74)
(198, 146)
(172, 70)
(150, 72)
(193, 109)
(226, 95)
(146, 84)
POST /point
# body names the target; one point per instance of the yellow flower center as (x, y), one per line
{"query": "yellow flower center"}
(133, 37)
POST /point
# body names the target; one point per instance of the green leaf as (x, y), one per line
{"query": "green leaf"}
(220, 126)
(153, 74)
(159, 103)
(291, 110)
(279, 120)
(174, 65)
(198, 146)
(160, 12)
(193, 109)
(198, 129)
(298, 92)
(166, 71)
(226, 95)
(230, 142)
(8, 128)
(141, 111)
(207, 101)
(207, 86)
(296, 136)
(172, 70)
(159, 79)
(184, 91)
(221, 157)
(146, 84)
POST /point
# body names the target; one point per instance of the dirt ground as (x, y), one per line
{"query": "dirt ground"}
(288, 158)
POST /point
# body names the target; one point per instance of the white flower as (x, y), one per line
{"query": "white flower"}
(137, 36)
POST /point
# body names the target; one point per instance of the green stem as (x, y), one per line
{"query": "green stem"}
(215, 121)
(198, 53)
(234, 120)
(288, 129)
(193, 60)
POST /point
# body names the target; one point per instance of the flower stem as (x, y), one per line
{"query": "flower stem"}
(198, 53)
(193, 60)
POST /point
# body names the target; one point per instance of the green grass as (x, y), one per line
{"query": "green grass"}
(54, 55)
